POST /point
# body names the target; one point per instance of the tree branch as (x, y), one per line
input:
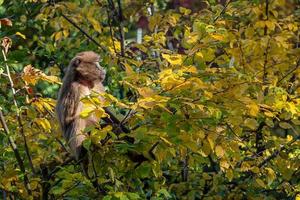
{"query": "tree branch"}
(83, 31)
(16, 152)
(275, 153)
(19, 119)
(290, 72)
(223, 11)
(121, 28)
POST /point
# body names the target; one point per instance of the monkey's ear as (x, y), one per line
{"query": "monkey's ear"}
(76, 61)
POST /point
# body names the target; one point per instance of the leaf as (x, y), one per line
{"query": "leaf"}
(184, 11)
(146, 92)
(206, 148)
(96, 25)
(270, 175)
(229, 174)
(5, 21)
(144, 170)
(21, 35)
(224, 164)
(87, 111)
(285, 125)
(173, 59)
(253, 109)
(219, 151)
(32, 75)
(260, 182)
(133, 196)
(251, 123)
(44, 123)
(165, 193)
(217, 37)
(87, 143)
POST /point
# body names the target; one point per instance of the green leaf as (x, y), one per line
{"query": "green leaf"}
(251, 123)
(87, 143)
(144, 170)
(285, 125)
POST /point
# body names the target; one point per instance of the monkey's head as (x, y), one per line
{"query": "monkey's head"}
(86, 67)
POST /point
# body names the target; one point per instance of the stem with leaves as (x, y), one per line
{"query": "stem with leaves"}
(19, 119)
(16, 152)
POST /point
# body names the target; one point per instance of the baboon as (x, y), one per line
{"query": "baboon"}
(83, 75)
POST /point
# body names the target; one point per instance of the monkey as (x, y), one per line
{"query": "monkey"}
(84, 75)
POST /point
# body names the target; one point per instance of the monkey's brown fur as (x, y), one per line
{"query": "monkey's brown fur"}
(83, 75)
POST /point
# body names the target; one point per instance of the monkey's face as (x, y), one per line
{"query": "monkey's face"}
(87, 67)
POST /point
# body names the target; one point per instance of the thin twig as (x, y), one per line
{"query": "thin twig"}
(111, 30)
(290, 72)
(223, 11)
(19, 119)
(69, 189)
(266, 62)
(275, 153)
(83, 31)
(16, 152)
(267, 14)
(121, 29)
(128, 115)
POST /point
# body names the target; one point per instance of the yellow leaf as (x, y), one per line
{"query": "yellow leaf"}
(87, 111)
(96, 25)
(253, 109)
(224, 164)
(44, 123)
(255, 170)
(269, 114)
(166, 141)
(270, 175)
(58, 36)
(128, 69)
(190, 69)
(219, 151)
(229, 174)
(260, 183)
(184, 11)
(211, 141)
(100, 113)
(146, 92)
(245, 167)
(199, 54)
(217, 37)
(21, 35)
(173, 59)
(206, 148)
(201, 134)
(251, 123)
(154, 20)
